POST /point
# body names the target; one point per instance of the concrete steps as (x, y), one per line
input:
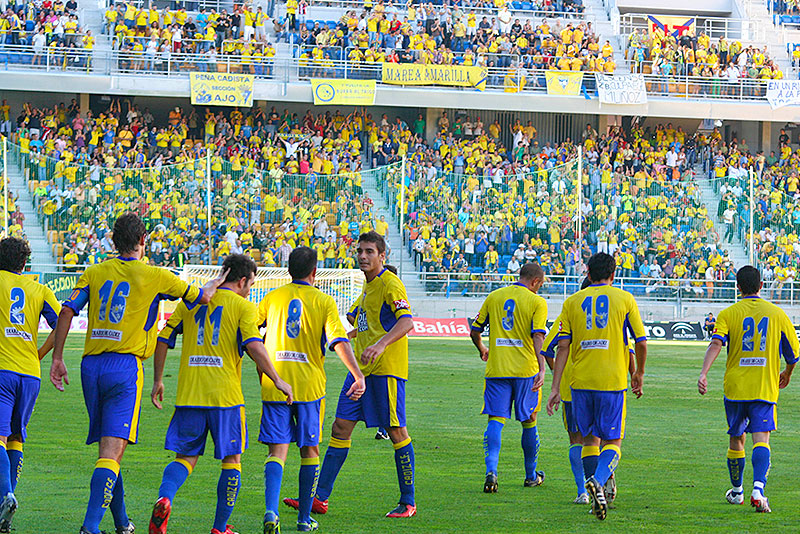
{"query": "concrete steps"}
(41, 252)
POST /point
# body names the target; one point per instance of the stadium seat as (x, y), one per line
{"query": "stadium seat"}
(516, 5)
(795, 19)
(786, 19)
(309, 25)
(526, 6)
(331, 25)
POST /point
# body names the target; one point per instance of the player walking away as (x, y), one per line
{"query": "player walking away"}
(757, 334)
(297, 316)
(517, 319)
(593, 332)
(123, 296)
(571, 426)
(22, 302)
(209, 398)
(381, 345)
(709, 325)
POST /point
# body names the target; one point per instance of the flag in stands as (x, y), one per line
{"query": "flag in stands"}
(564, 83)
(675, 26)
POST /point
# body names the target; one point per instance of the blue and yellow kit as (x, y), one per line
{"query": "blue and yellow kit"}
(382, 303)
(301, 323)
(757, 334)
(123, 295)
(600, 321)
(514, 315)
(22, 302)
(209, 397)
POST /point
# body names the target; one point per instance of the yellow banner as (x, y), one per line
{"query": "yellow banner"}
(563, 82)
(343, 92)
(222, 89)
(414, 74)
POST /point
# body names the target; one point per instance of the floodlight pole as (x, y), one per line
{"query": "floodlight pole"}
(208, 202)
(402, 214)
(5, 185)
(752, 206)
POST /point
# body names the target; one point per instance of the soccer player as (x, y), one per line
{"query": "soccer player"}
(757, 334)
(575, 438)
(381, 345)
(517, 318)
(297, 316)
(22, 302)
(123, 296)
(709, 324)
(597, 321)
(210, 398)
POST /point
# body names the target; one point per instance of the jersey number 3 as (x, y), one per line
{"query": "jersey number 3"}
(508, 320)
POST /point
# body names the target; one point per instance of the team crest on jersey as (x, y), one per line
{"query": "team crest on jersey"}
(401, 304)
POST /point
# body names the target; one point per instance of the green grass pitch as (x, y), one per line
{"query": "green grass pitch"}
(672, 476)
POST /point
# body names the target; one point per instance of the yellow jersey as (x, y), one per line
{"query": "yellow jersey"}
(514, 314)
(757, 334)
(382, 303)
(123, 296)
(22, 302)
(214, 338)
(301, 322)
(549, 351)
(600, 320)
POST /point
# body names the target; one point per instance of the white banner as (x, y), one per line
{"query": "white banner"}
(621, 89)
(783, 93)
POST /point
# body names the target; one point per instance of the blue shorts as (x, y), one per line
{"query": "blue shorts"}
(112, 390)
(569, 417)
(300, 422)
(189, 428)
(382, 405)
(17, 397)
(599, 413)
(750, 416)
(500, 393)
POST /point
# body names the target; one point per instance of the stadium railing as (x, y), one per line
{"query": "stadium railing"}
(287, 70)
(745, 30)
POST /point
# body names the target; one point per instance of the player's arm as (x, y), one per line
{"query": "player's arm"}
(258, 353)
(50, 310)
(639, 335)
(351, 318)
(718, 340)
(476, 329)
(77, 300)
(562, 353)
(538, 330)
(790, 350)
(342, 347)
(166, 340)
(48, 345)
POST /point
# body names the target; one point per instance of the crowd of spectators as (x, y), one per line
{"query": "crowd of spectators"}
(725, 63)
(277, 180)
(47, 28)
(640, 202)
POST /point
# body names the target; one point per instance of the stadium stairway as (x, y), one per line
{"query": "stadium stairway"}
(735, 248)
(778, 36)
(595, 11)
(41, 252)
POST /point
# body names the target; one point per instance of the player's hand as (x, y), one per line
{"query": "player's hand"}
(157, 395)
(371, 353)
(538, 381)
(702, 384)
(58, 374)
(484, 352)
(357, 389)
(286, 389)
(784, 380)
(552, 402)
(212, 285)
(636, 384)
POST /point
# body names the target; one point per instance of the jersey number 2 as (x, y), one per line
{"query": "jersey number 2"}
(17, 313)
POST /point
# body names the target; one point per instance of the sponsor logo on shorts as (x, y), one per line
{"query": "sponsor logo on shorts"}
(753, 362)
(105, 333)
(15, 332)
(291, 356)
(401, 304)
(205, 361)
(506, 342)
(599, 344)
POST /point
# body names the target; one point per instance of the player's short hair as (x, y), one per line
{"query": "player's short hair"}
(374, 238)
(302, 262)
(14, 254)
(749, 280)
(240, 266)
(391, 268)
(601, 266)
(128, 232)
(531, 271)
(586, 282)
